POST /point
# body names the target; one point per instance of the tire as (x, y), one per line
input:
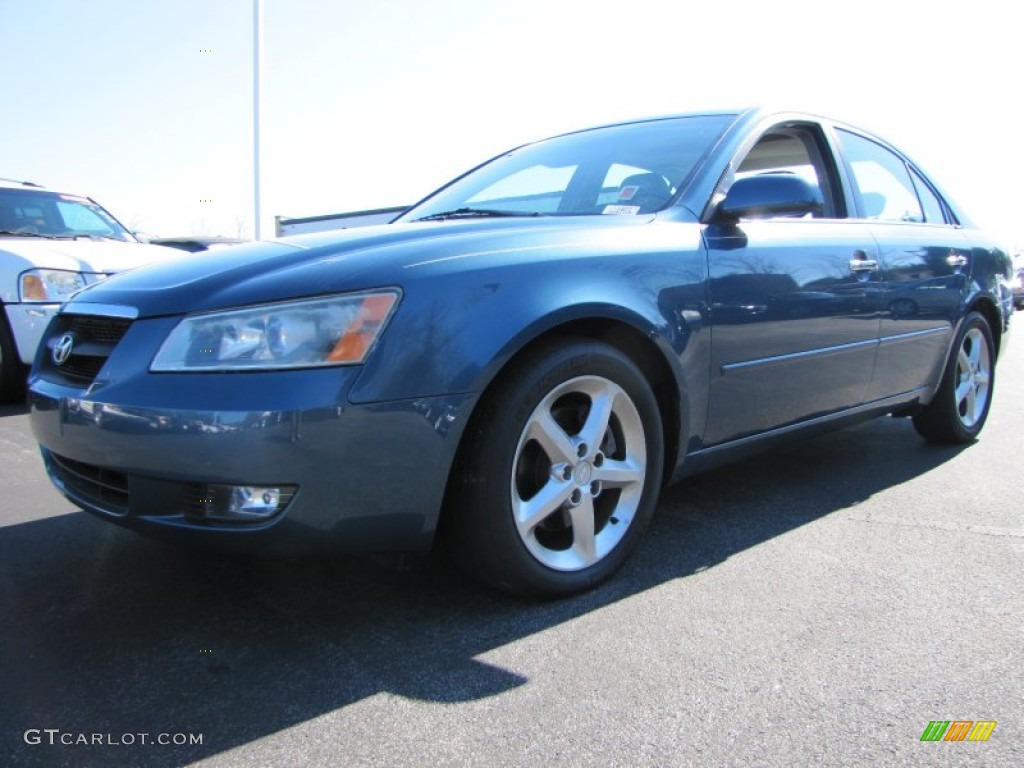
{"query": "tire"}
(559, 472)
(13, 372)
(959, 409)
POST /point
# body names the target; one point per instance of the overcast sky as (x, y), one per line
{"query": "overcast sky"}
(146, 105)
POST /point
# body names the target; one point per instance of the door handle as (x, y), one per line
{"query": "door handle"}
(861, 263)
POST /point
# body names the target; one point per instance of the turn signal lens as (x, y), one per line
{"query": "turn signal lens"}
(32, 288)
(355, 343)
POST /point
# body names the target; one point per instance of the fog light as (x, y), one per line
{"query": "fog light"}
(239, 503)
(259, 502)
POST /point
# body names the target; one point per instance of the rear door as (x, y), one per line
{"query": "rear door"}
(925, 259)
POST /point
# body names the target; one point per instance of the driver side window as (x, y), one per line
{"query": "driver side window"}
(796, 150)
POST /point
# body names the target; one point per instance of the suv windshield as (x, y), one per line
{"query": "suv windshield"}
(621, 169)
(53, 214)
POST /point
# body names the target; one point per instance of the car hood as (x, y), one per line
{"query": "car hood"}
(372, 257)
(82, 255)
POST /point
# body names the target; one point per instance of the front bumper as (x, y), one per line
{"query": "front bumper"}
(369, 477)
(27, 322)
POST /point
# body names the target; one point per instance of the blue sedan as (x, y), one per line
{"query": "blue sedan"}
(522, 360)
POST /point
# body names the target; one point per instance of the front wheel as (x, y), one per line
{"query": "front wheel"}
(560, 472)
(958, 411)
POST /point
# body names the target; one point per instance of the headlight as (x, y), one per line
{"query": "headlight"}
(339, 330)
(50, 285)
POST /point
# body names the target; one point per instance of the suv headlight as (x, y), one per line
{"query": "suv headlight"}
(52, 286)
(338, 330)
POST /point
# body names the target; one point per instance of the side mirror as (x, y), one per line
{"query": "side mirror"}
(769, 194)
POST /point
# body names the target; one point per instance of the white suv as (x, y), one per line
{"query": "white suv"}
(51, 245)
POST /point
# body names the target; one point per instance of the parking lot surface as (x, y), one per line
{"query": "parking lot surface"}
(822, 603)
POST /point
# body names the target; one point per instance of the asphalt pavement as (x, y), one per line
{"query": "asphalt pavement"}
(820, 604)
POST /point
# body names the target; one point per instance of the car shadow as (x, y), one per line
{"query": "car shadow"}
(110, 633)
(16, 409)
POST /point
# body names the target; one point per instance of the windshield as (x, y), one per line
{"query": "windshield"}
(622, 169)
(53, 214)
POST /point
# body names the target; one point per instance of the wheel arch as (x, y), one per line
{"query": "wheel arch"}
(646, 355)
(639, 347)
(952, 415)
(987, 308)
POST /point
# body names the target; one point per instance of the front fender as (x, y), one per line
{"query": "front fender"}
(453, 333)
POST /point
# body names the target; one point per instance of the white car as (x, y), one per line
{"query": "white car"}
(51, 245)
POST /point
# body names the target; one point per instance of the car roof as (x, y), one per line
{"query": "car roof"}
(733, 113)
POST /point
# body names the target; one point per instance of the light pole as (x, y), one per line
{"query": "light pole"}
(257, 82)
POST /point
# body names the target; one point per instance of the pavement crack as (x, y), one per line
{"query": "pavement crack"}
(982, 530)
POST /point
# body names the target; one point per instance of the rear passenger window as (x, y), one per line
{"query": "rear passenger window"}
(933, 210)
(883, 182)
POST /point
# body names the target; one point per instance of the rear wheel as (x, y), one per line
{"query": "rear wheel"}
(12, 371)
(560, 472)
(959, 409)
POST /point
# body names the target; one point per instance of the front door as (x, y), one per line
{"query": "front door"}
(795, 322)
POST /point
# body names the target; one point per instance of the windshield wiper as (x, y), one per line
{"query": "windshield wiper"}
(460, 213)
(26, 233)
(91, 236)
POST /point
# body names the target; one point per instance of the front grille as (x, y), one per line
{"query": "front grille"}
(94, 339)
(106, 330)
(82, 367)
(99, 487)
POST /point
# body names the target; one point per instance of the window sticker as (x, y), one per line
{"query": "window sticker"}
(621, 210)
(627, 193)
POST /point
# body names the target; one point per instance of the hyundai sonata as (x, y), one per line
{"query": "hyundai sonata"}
(523, 359)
